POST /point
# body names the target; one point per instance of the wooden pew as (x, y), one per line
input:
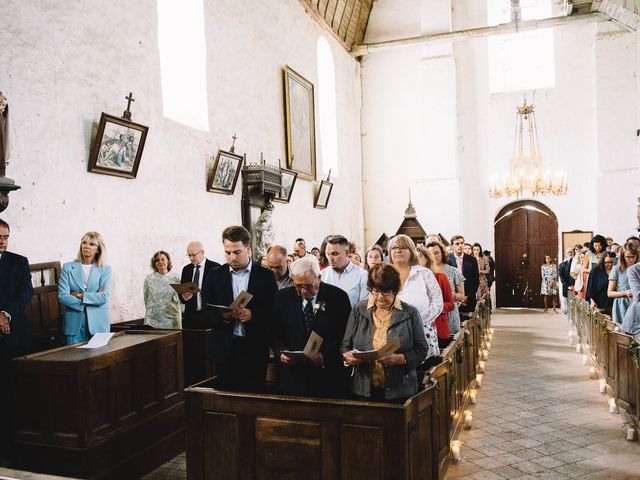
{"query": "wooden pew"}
(195, 343)
(113, 412)
(615, 355)
(44, 313)
(243, 436)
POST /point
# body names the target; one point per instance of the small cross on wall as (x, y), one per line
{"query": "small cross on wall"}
(127, 113)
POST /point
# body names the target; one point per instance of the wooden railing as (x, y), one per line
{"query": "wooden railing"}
(613, 355)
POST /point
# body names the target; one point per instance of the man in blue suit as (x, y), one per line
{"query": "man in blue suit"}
(15, 294)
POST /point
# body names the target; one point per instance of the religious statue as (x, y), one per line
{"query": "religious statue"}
(264, 231)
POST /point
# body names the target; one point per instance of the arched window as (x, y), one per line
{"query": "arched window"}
(183, 52)
(520, 61)
(328, 131)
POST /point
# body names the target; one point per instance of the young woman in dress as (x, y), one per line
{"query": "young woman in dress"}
(619, 288)
(484, 268)
(549, 286)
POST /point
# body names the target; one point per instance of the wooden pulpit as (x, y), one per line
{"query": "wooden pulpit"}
(112, 412)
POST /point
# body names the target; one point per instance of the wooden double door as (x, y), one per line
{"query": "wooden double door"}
(525, 231)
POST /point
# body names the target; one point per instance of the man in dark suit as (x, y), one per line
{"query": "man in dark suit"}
(310, 305)
(468, 266)
(196, 271)
(15, 294)
(240, 344)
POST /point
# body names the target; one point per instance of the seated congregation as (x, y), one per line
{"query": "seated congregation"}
(380, 330)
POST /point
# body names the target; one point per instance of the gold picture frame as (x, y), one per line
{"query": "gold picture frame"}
(300, 124)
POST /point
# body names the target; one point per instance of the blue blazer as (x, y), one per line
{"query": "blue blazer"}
(94, 302)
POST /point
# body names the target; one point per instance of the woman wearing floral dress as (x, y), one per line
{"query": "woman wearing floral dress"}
(549, 286)
(160, 299)
(619, 288)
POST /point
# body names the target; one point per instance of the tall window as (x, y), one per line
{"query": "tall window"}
(520, 61)
(328, 131)
(183, 52)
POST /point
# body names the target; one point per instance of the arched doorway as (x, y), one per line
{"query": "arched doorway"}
(525, 231)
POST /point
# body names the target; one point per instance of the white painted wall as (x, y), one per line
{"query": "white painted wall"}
(587, 126)
(62, 64)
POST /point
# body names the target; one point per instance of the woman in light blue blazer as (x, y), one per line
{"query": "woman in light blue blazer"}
(84, 289)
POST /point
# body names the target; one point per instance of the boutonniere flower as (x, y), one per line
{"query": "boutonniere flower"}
(319, 306)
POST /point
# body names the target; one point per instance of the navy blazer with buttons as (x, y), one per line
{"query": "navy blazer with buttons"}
(15, 294)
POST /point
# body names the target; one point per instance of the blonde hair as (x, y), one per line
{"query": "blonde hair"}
(406, 242)
(102, 249)
(424, 251)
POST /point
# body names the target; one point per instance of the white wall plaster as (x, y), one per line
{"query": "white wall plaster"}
(61, 65)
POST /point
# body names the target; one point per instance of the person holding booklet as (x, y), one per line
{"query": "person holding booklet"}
(309, 320)
(240, 344)
(384, 319)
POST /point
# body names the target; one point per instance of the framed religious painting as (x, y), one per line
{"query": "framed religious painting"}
(300, 124)
(324, 192)
(118, 147)
(288, 182)
(222, 178)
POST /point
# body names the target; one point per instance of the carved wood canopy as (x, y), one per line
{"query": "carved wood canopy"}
(346, 20)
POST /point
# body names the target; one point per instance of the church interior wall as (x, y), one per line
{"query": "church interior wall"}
(582, 130)
(61, 65)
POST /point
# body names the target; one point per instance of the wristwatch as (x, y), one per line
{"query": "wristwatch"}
(8, 315)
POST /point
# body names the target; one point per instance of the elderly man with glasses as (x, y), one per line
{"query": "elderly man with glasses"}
(195, 271)
(310, 305)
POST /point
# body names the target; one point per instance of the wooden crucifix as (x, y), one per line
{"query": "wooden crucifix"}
(233, 145)
(127, 113)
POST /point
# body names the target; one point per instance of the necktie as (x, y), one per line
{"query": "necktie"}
(196, 275)
(308, 315)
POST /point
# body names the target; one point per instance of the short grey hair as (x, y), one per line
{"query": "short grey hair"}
(304, 266)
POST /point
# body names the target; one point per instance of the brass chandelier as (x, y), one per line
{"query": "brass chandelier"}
(527, 173)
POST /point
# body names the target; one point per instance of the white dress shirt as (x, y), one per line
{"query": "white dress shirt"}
(239, 283)
(352, 280)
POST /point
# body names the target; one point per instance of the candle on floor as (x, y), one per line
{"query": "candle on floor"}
(468, 419)
(479, 380)
(602, 385)
(473, 396)
(631, 434)
(585, 359)
(488, 345)
(592, 372)
(612, 405)
(579, 348)
(481, 365)
(455, 450)
(492, 330)
(485, 354)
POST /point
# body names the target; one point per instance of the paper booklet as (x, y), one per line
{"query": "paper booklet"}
(98, 340)
(387, 349)
(241, 301)
(311, 349)
(188, 287)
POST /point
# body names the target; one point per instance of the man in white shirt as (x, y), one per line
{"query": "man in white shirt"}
(342, 273)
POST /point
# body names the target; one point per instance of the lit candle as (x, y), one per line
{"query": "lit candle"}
(485, 354)
(585, 359)
(612, 405)
(468, 419)
(631, 433)
(489, 345)
(579, 348)
(481, 365)
(592, 372)
(602, 385)
(455, 450)
(473, 396)
(492, 330)
(479, 380)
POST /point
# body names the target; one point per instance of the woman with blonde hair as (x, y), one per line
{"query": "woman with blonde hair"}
(84, 289)
(419, 287)
(162, 305)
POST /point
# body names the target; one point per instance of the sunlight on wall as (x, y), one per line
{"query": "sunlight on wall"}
(183, 52)
(328, 131)
(522, 61)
